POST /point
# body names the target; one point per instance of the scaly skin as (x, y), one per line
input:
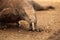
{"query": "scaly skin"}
(12, 11)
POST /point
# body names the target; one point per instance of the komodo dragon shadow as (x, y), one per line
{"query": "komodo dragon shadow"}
(38, 7)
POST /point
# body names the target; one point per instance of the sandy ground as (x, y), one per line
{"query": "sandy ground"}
(48, 20)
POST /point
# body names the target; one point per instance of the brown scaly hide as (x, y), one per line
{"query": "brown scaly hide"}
(12, 10)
